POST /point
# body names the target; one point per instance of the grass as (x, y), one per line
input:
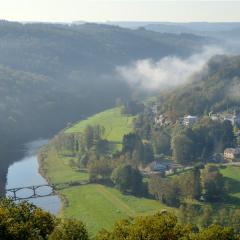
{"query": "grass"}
(232, 172)
(232, 175)
(116, 124)
(98, 206)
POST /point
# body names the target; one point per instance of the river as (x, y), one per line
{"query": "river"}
(25, 172)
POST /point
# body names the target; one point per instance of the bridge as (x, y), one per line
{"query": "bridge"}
(38, 191)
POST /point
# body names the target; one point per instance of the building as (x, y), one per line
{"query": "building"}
(214, 116)
(159, 120)
(231, 118)
(232, 154)
(157, 167)
(190, 120)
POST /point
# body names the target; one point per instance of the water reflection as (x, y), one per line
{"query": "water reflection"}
(25, 172)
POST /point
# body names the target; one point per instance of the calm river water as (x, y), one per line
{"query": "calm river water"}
(24, 172)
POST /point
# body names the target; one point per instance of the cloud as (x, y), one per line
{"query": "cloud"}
(168, 72)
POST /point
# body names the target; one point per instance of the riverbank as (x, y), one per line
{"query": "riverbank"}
(98, 206)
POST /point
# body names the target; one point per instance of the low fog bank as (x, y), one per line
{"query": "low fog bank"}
(167, 73)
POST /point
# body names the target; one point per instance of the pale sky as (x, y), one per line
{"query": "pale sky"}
(115, 10)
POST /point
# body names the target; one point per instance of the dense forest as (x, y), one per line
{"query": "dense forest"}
(53, 74)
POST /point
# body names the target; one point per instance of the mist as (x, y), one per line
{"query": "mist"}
(169, 72)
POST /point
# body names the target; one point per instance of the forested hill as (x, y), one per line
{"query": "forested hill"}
(52, 74)
(46, 48)
(216, 88)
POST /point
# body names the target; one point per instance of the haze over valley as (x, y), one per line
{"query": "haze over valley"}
(124, 124)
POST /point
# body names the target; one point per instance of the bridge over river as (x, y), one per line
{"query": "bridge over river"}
(36, 191)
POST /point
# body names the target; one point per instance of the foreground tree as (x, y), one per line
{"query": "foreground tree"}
(24, 221)
(69, 230)
(162, 226)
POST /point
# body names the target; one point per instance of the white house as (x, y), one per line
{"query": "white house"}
(190, 120)
(231, 117)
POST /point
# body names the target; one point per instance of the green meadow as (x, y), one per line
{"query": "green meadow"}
(98, 206)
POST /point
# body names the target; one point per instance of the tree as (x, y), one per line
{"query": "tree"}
(215, 232)
(102, 147)
(88, 138)
(24, 221)
(69, 229)
(127, 179)
(228, 139)
(165, 190)
(190, 184)
(99, 169)
(132, 143)
(91, 135)
(148, 153)
(162, 226)
(213, 183)
(161, 142)
(183, 149)
(133, 107)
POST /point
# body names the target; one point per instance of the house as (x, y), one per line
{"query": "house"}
(159, 120)
(214, 116)
(190, 120)
(157, 167)
(232, 154)
(155, 108)
(231, 118)
(234, 118)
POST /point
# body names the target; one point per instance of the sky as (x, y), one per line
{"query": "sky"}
(115, 10)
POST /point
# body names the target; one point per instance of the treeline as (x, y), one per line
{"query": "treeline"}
(206, 184)
(26, 221)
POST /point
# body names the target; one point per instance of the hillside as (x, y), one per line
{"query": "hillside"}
(99, 206)
(216, 88)
(53, 74)
(115, 124)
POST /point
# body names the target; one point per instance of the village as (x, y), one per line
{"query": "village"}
(164, 164)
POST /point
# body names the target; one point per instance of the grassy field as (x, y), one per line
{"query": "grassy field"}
(115, 124)
(98, 206)
(232, 174)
